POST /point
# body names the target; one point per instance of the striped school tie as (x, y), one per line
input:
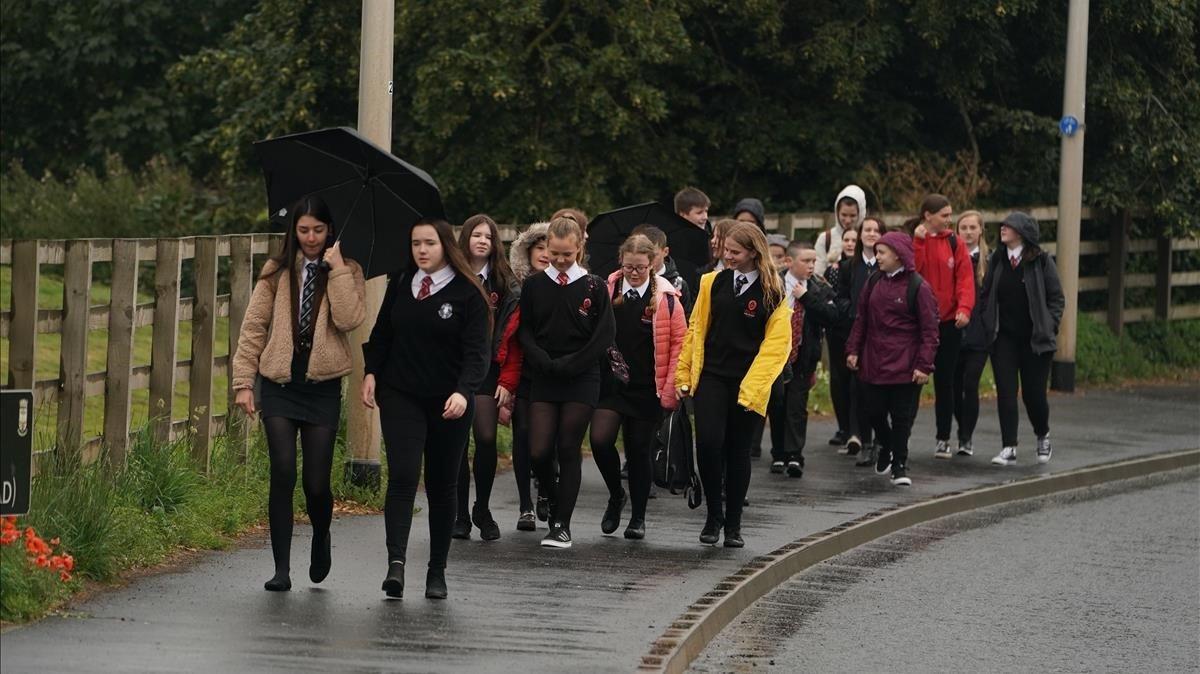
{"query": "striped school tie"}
(306, 297)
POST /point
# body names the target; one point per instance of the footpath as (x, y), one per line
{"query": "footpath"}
(513, 605)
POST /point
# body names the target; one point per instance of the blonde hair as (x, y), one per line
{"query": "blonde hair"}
(749, 236)
(984, 250)
(638, 244)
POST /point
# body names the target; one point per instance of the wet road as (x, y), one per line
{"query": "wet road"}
(1101, 579)
(596, 607)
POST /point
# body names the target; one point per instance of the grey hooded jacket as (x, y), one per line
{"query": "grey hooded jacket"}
(1042, 285)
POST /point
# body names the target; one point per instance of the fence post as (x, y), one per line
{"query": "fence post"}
(204, 324)
(22, 331)
(122, 310)
(1118, 257)
(77, 281)
(1162, 281)
(168, 260)
(241, 284)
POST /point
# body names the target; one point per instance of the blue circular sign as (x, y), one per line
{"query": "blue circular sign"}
(1068, 125)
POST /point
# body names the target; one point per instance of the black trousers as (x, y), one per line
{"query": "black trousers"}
(966, 392)
(860, 423)
(841, 384)
(795, 403)
(944, 364)
(413, 429)
(1013, 359)
(724, 431)
(777, 415)
(892, 409)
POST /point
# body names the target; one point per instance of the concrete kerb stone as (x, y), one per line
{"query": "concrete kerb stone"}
(689, 634)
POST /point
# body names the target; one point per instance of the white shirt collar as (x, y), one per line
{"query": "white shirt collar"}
(441, 278)
(975, 251)
(662, 270)
(751, 277)
(892, 274)
(641, 290)
(573, 274)
(486, 272)
(720, 266)
(868, 260)
(304, 262)
(1016, 252)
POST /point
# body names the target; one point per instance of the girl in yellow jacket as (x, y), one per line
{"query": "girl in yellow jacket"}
(736, 346)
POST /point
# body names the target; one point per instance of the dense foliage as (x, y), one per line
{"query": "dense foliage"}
(519, 107)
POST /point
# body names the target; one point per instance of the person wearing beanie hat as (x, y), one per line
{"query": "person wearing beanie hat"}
(751, 211)
(1023, 306)
(892, 346)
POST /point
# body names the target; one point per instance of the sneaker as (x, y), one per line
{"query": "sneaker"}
(900, 477)
(853, 446)
(543, 508)
(839, 438)
(527, 521)
(1043, 449)
(883, 462)
(612, 514)
(1008, 457)
(777, 467)
(965, 448)
(942, 450)
(794, 469)
(867, 456)
(461, 529)
(559, 537)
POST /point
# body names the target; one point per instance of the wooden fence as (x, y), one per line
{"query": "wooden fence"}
(123, 314)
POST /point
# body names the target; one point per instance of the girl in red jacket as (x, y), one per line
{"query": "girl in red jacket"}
(480, 242)
(650, 330)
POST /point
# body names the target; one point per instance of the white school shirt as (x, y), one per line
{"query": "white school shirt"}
(573, 274)
(441, 278)
(751, 277)
(1015, 253)
(641, 290)
(790, 282)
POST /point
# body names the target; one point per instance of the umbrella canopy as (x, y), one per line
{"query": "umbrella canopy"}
(375, 197)
(607, 231)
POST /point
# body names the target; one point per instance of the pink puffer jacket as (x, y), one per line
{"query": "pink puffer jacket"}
(669, 328)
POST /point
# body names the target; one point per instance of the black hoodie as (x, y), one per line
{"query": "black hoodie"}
(1042, 287)
(671, 273)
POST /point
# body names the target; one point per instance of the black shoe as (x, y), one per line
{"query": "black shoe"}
(755, 452)
(559, 537)
(839, 438)
(733, 538)
(527, 521)
(853, 446)
(711, 532)
(795, 469)
(883, 462)
(435, 584)
(612, 514)
(777, 467)
(636, 530)
(900, 477)
(543, 508)
(282, 582)
(393, 584)
(870, 451)
(488, 529)
(322, 559)
(461, 529)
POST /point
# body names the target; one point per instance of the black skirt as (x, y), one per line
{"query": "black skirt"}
(490, 382)
(635, 404)
(583, 388)
(310, 402)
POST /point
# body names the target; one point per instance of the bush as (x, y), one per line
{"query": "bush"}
(1145, 350)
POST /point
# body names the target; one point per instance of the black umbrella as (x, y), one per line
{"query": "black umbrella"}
(375, 197)
(607, 231)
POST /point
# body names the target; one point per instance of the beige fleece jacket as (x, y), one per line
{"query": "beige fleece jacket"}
(265, 344)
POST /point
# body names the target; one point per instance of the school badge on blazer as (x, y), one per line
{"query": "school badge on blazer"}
(751, 309)
(446, 311)
(648, 315)
(494, 299)
(585, 307)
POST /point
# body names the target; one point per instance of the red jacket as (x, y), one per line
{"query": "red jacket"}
(670, 327)
(952, 278)
(509, 355)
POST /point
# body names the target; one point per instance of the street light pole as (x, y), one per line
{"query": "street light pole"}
(1070, 191)
(375, 123)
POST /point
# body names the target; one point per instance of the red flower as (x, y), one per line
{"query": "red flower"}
(64, 576)
(42, 561)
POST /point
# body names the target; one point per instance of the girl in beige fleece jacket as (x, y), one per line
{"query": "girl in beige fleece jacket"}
(295, 341)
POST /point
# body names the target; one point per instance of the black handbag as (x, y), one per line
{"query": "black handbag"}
(674, 458)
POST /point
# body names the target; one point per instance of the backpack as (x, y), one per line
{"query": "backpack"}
(674, 458)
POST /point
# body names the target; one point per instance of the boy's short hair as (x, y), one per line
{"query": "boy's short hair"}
(847, 201)
(656, 235)
(794, 248)
(688, 198)
(777, 240)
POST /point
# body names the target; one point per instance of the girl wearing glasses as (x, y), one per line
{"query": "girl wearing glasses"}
(650, 323)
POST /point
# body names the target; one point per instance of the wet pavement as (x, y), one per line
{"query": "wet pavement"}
(595, 607)
(1099, 579)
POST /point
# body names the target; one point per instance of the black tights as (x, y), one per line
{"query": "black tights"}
(639, 441)
(317, 444)
(484, 428)
(522, 467)
(564, 424)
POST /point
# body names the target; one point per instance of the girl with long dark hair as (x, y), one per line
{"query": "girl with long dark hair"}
(851, 280)
(295, 337)
(480, 243)
(427, 356)
(736, 346)
(566, 329)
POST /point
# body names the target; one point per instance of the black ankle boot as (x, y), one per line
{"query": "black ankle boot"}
(612, 514)
(711, 532)
(393, 585)
(435, 584)
(482, 517)
(636, 530)
(322, 558)
(733, 537)
(282, 582)
(461, 529)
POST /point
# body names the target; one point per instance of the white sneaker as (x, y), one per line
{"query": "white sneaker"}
(942, 451)
(1006, 457)
(965, 448)
(1043, 449)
